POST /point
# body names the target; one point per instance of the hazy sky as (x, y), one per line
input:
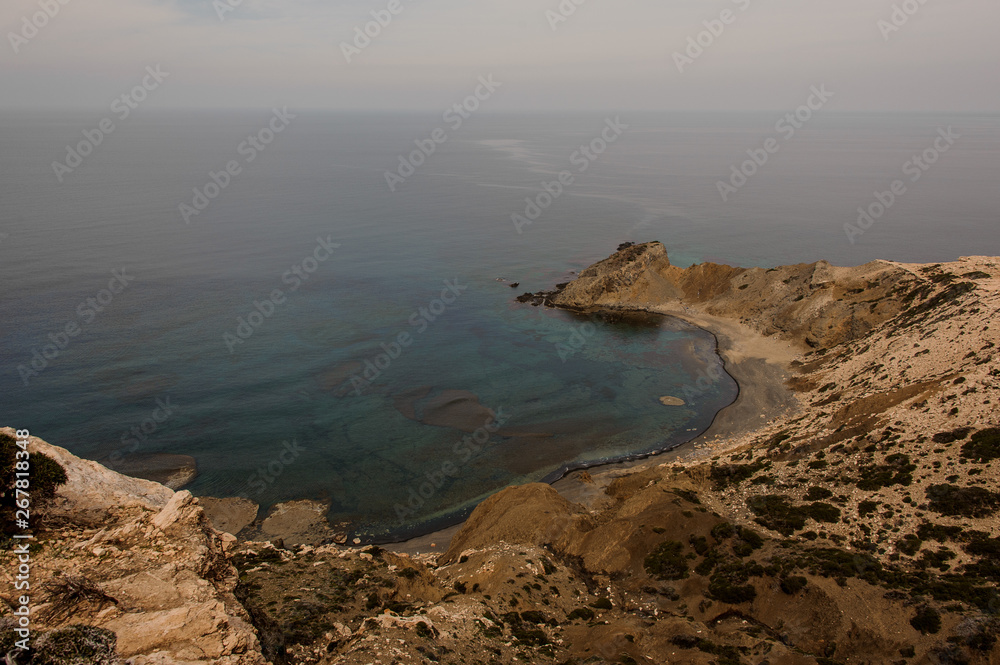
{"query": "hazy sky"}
(608, 54)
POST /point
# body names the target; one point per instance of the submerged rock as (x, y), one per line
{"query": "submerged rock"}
(173, 471)
(232, 514)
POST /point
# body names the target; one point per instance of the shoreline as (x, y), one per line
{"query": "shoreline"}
(760, 366)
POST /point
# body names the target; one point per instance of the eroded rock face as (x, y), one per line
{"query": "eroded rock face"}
(816, 304)
(635, 274)
(92, 489)
(136, 558)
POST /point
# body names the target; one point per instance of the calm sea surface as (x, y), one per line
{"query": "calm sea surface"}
(249, 335)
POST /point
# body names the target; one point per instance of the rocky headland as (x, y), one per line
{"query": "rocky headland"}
(843, 510)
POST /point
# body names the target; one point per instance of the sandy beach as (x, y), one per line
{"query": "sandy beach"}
(760, 366)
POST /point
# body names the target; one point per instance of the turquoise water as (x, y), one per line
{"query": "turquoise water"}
(275, 416)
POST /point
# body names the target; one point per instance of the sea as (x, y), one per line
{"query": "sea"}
(322, 305)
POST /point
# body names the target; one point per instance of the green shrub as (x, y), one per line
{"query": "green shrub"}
(792, 585)
(984, 446)
(776, 513)
(75, 645)
(584, 613)
(687, 495)
(952, 436)
(822, 512)
(722, 531)
(712, 558)
(602, 604)
(962, 501)
(927, 620)
(700, 544)
(897, 470)
(937, 559)
(534, 616)
(751, 538)
(730, 583)
(866, 508)
(46, 475)
(938, 532)
(667, 562)
(818, 494)
(726, 655)
(726, 591)
(734, 474)
(909, 544)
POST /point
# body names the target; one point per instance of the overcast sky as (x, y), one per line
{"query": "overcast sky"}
(608, 54)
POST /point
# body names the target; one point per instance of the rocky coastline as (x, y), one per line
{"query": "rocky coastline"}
(841, 511)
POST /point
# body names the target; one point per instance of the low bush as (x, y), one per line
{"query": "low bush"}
(775, 512)
(952, 436)
(909, 544)
(984, 446)
(866, 508)
(897, 470)
(818, 494)
(46, 475)
(792, 585)
(734, 474)
(962, 501)
(602, 604)
(927, 620)
(667, 562)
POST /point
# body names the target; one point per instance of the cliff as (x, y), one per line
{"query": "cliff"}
(815, 304)
(140, 560)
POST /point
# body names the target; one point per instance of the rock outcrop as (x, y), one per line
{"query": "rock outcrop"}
(140, 560)
(816, 304)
